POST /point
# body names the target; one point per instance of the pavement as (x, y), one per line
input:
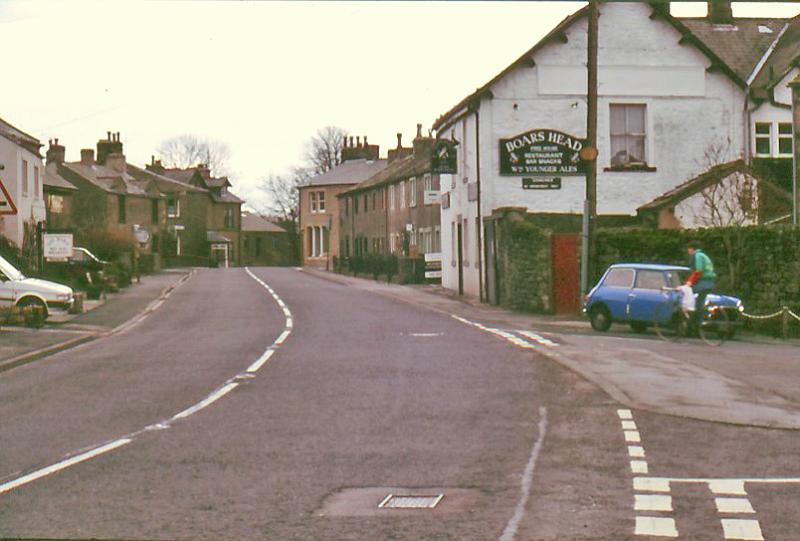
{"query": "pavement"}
(20, 345)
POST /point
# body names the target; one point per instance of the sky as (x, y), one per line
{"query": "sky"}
(262, 77)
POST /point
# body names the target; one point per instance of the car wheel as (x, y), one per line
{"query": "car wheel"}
(600, 318)
(638, 326)
(37, 313)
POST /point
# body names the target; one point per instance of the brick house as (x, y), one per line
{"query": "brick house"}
(319, 225)
(58, 192)
(676, 97)
(22, 174)
(397, 209)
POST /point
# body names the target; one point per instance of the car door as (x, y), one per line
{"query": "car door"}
(7, 293)
(647, 295)
(616, 288)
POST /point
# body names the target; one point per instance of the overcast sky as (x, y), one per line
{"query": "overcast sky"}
(260, 76)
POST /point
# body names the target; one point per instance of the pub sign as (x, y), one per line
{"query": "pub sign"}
(542, 152)
(443, 158)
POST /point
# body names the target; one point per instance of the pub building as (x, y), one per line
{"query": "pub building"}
(670, 93)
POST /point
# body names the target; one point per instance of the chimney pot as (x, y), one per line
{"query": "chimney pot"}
(365, 140)
(399, 140)
(419, 130)
(56, 140)
(108, 136)
(351, 141)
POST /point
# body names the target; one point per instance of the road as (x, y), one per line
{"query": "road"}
(270, 404)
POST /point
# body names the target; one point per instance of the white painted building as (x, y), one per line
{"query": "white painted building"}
(671, 104)
(22, 176)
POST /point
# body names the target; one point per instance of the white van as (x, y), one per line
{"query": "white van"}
(17, 290)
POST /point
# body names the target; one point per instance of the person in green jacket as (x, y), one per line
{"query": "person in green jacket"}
(701, 279)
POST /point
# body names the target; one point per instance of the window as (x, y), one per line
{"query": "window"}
(174, 207)
(627, 135)
(230, 221)
(412, 191)
(649, 279)
(619, 278)
(465, 242)
(763, 138)
(24, 177)
(427, 183)
(402, 194)
(355, 205)
(477, 241)
(55, 203)
(317, 200)
(785, 138)
(365, 203)
(121, 209)
(437, 239)
(154, 211)
(453, 246)
(347, 206)
(258, 246)
(35, 182)
(391, 198)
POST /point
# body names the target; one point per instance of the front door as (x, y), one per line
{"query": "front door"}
(460, 260)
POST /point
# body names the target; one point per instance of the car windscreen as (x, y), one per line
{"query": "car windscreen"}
(10, 270)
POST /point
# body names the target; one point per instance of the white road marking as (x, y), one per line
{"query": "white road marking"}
(261, 361)
(635, 451)
(25, 479)
(734, 505)
(652, 502)
(656, 526)
(625, 414)
(426, 334)
(527, 480)
(213, 397)
(737, 528)
(632, 436)
(629, 425)
(537, 338)
(651, 484)
(282, 338)
(638, 466)
(727, 486)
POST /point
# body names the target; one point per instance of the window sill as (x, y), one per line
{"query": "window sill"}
(639, 168)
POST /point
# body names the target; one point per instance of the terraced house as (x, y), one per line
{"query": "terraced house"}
(397, 209)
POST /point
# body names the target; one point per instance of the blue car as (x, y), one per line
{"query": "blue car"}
(633, 293)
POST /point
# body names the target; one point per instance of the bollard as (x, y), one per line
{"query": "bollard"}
(785, 322)
(77, 306)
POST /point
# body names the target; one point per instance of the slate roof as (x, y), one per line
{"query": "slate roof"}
(698, 183)
(164, 183)
(412, 165)
(252, 222)
(735, 52)
(53, 179)
(134, 181)
(19, 137)
(349, 172)
(216, 236)
(214, 185)
(785, 56)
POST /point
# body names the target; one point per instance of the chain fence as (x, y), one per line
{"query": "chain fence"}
(785, 314)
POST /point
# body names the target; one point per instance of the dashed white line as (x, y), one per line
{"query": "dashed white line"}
(33, 476)
(656, 526)
(747, 529)
(261, 361)
(206, 402)
(734, 505)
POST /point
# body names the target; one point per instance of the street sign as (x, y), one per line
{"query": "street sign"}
(542, 152)
(7, 205)
(57, 246)
(431, 197)
(433, 265)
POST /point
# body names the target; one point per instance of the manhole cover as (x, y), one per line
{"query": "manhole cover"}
(410, 501)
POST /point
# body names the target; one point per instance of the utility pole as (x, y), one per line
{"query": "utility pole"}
(795, 86)
(589, 152)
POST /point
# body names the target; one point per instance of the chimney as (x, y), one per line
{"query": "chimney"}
(399, 140)
(55, 152)
(87, 156)
(116, 162)
(105, 147)
(720, 12)
(419, 130)
(399, 152)
(155, 166)
(359, 150)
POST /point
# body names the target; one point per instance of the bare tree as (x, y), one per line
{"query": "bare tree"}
(282, 195)
(324, 149)
(729, 203)
(189, 150)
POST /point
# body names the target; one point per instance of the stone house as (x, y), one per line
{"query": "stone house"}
(676, 97)
(319, 226)
(397, 209)
(116, 197)
(22, 176)
(264, 243)
(58, 192)
(222, 239)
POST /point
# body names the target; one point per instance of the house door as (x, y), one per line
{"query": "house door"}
(566, 282)
(460, 259)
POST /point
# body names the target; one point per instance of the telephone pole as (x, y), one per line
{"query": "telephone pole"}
(589, 153)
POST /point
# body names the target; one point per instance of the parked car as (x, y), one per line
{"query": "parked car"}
(632, 292)
(18, 290)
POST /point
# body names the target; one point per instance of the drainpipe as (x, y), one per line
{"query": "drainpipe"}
(479, 229)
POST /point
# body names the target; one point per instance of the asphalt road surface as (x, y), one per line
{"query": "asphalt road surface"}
(242, 412)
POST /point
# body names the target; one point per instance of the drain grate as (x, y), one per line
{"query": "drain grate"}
(410, 501)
